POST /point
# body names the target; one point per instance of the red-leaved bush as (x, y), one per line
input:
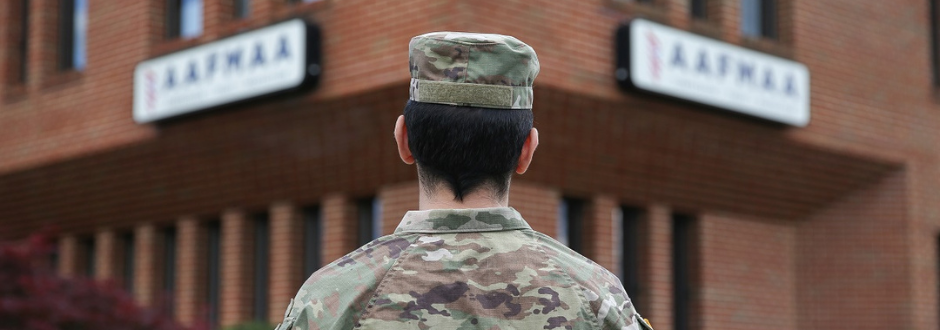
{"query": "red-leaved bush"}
(33, 297)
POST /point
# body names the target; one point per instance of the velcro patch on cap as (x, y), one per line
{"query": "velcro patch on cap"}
(464, 94)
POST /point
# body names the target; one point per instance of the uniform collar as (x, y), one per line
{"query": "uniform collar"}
(462, 220)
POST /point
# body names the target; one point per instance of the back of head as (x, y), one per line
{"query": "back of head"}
(470, 110)
(466, 148)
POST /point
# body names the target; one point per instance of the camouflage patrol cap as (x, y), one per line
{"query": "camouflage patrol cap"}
(471, 69)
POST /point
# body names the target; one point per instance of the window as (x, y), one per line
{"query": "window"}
(19, 32)
(169, 268)
(87, 250)
(698, 9)
(183, 18)
(570, 218)
(935, 41)
(370, 219)
(73, 28)
(759, 18)
(262, 246)
(127, 262)
(242, 8)
(213, 269)
(683, 269)
(631, 246)
(311, 241)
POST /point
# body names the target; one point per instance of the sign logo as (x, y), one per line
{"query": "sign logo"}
(654, 54)
(247, 65)
(663, 60)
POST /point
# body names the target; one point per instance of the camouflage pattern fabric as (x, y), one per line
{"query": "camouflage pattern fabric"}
(463, 269)
(470, 69)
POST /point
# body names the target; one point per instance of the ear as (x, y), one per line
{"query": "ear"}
(528, 149)
(401, 138)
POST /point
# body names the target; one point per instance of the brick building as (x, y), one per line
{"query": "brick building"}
(713, 220)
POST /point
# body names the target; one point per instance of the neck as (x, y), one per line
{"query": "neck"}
(443, 198)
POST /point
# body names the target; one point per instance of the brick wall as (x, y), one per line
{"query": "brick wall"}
(851, 266)
(758, 252)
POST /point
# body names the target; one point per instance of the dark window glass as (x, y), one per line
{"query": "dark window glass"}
(213, 242)
(127, 263)
(631, 245)
(262, 246)
(759, 18)
(173, 18)
(21, 41)
(183, 18)
(73, 22)
(242, 8)
(169, 268)
(570, 223)
(66, 29)
(370, 222)
(699, 9)
(311, 243)
(54, 258)
(935, 40)
(683, 261)
(88, 256)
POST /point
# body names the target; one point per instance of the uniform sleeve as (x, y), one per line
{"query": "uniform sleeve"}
(609, 301)
(335, 296)
(602, 290)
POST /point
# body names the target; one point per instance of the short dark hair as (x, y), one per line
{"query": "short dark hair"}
(466, 147)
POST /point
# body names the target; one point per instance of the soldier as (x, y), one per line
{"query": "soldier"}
(465, 260)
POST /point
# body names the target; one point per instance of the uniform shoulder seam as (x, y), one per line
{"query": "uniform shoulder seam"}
(380, 284)
(585, 304)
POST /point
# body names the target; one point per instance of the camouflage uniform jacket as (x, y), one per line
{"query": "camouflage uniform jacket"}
(462, 269)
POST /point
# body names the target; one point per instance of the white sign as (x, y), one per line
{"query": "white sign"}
(243, 66)
(673, 62)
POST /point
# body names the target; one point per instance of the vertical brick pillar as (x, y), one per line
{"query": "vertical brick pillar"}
(190, 270)
(599, 231)
(43, 38)
(146, 272)
(657, 278)
(68, 256)
(237, 254)
(264, 9)
(396, 201)
(286, 253)
(106, 255)
(214, 15)
(339, 227)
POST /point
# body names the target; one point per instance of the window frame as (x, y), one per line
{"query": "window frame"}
(684, 268)
(87, 248)
(631, 250)
(369, 217)
(570, 223)
(168, 287)
(766, 15)
(698, 9)
(241, 9)
(19, 64)
(65, 46)
(934, 17)
(312, 227)
(175, 19)
(262, 262)
(213, 271)
(127, 261)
